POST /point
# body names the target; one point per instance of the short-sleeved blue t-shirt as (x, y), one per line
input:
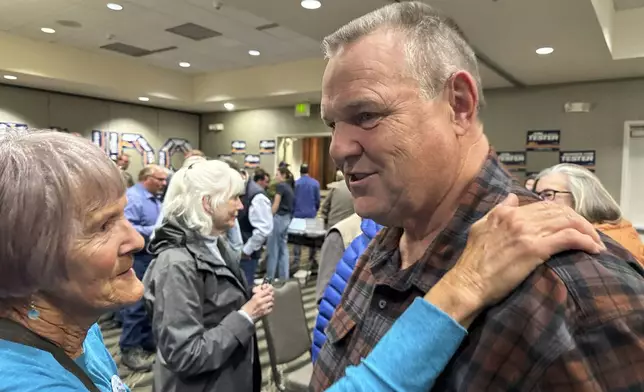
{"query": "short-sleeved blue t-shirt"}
(26, 369)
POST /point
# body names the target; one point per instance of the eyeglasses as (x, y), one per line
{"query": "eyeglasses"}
(550, 194)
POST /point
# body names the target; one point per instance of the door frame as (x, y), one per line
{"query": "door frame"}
(294, 135)
(624, 198)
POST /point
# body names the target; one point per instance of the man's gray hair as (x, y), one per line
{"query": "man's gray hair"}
(50, 183)
(435, 46)
(591, 199)
(213, 180)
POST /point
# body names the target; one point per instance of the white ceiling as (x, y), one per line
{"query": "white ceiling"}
(506, 32)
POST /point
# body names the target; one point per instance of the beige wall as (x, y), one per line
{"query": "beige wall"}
(40, 109)
(507, 117)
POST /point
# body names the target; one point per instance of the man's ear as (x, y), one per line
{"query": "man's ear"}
(463, 100)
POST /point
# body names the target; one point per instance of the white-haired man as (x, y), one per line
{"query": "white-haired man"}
(402, 92)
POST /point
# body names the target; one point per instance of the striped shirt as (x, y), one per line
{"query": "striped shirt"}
(576, 323)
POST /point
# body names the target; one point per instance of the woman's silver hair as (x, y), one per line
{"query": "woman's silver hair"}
(435, 46)
(50, 183)
(212, 179)
(591, 200)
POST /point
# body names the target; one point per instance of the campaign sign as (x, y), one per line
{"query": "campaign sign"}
(543, 140)
(238, 147)
(251, 161)
(513, 160)
(581, 158)
(267, 147)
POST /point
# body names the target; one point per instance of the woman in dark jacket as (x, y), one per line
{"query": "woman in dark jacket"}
(203, 318)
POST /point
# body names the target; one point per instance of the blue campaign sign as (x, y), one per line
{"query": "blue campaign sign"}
(543, 140)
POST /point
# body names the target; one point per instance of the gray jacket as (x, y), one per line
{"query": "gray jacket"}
(338, 204)
(194, 294)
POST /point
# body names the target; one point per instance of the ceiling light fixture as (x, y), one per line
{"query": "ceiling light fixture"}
(114, 6)
(545, 50)
(229, 106)
(311, 4)
(48, 30)
(144, 99)
(10, 77)
(254, 52)
(184, 64)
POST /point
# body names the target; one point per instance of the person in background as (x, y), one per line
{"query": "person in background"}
(202, 314)
(277, 263)
(307, 203)
(256, 224)
(338, 203)
(193, 153)
(344, 243)
(407, 134)
(66, 256)
(142, 210)
(335, 251)
(273, 185)
(529, 182)
(580, 189)
(123, 162)
(261, 178)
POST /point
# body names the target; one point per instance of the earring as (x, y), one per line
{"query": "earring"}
(33, 313)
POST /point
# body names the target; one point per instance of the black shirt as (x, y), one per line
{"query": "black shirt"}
(288, 197)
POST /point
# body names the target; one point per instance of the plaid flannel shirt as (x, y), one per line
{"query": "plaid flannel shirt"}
(576, 323)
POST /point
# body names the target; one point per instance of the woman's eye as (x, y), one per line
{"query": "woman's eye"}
(107, 225)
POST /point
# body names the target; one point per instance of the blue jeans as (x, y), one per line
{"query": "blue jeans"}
(249, 266)
(278, 254)
(137, 328)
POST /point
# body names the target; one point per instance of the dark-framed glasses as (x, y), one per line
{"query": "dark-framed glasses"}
(550, 194)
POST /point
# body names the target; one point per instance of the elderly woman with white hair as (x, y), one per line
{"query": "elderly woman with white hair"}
(202, 315)
(579, 188)
(66, 259)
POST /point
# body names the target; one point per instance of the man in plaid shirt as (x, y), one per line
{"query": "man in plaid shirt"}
(402, 92)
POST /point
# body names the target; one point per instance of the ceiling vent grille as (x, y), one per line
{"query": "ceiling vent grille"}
(193, 31)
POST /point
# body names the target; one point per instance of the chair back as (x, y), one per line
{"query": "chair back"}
(287, 332)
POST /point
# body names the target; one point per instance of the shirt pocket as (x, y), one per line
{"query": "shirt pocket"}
(340, 326)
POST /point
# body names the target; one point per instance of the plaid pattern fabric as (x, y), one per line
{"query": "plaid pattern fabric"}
(576, 324)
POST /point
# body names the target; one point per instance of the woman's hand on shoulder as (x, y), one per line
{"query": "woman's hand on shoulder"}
(504, 248)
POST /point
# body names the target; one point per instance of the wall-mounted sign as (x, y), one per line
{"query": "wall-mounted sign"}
(581, 158)
(114, 143)
(543, 140)
(6, 126)
(513, 160)
(170, 147)
(251, 161)
(238, 147)
(303, 110)
(267, 147)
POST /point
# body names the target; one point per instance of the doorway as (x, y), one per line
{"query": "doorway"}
(313, 150)
(632, 192)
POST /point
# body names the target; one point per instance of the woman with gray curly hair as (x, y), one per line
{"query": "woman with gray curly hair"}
(66, 259)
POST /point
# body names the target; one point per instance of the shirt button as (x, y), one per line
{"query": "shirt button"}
(382, 304)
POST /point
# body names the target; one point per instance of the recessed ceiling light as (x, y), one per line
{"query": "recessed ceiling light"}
(48, 30)
(10, 77)
(545, 50)
(311, 4)
(184, 64)
(144, 99)
(254, 52)
(114, 6)
(229, 106)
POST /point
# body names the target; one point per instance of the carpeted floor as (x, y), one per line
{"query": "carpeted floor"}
(142, 382)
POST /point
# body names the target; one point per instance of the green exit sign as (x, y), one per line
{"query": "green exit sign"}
(303, 110)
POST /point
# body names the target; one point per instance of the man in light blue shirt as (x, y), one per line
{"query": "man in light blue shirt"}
(142, 210)
(307, 204)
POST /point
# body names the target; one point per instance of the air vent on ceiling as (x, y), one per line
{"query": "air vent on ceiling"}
(193, 31)
(134, 51)
(267, 27)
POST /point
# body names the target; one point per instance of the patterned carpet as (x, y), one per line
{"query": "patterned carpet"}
(142, 382)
